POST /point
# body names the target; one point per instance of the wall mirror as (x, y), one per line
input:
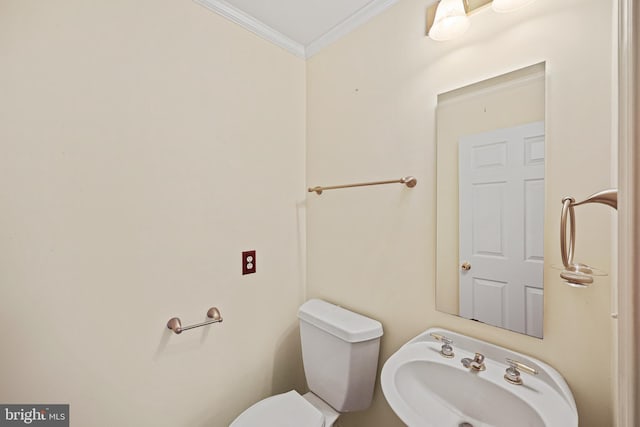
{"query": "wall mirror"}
(490, 200)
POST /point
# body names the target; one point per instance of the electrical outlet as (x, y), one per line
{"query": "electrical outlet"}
(248, 262)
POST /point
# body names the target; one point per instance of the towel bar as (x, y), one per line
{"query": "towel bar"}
(176, 326)
(409, 181)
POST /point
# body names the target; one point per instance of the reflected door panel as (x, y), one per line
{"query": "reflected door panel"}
(501, 227)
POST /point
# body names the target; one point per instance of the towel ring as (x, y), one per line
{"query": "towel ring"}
(568, 213)
(576, 274)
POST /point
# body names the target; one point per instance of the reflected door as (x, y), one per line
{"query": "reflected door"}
(501, 227)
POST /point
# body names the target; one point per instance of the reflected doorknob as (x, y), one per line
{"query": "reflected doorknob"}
(465, 266)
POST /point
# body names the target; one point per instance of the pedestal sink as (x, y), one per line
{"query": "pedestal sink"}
(425, 388)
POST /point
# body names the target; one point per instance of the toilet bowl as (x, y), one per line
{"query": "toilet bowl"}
(340, 357)
(288, 409)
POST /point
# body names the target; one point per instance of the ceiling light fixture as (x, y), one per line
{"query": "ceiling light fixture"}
(450, 20)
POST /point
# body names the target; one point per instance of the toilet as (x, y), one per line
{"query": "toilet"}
(340, 356)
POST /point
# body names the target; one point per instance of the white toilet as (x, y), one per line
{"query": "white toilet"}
(340, 355)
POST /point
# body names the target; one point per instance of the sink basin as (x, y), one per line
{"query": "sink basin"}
(426, 389)
(419, 381)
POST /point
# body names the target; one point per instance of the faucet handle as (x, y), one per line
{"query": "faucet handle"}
(441, 338)
(446, 350)
(512, 374)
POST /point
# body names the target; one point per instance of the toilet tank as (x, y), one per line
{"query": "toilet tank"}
(340, 354)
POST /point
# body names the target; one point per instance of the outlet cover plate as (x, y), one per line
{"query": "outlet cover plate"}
(248, 262)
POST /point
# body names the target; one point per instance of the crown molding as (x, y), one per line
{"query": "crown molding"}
(259, 28)
(236, 15)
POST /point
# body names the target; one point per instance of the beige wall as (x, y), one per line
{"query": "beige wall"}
(371, 102)
(144, 145)
(508, 100)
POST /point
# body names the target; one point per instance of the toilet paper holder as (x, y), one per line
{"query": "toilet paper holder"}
(176, 325)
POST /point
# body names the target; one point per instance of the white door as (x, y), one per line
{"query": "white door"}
(501, 196)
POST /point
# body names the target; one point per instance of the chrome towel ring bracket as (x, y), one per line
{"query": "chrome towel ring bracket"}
(576, 274)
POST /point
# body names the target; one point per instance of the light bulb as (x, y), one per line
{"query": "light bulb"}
(451, 21)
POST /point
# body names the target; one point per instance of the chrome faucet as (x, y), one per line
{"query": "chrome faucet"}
(476, 364)
(513, 371)
(446, 350)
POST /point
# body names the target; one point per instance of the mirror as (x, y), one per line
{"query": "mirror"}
(490, 200)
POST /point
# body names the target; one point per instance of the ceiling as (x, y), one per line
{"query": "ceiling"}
(302, 27)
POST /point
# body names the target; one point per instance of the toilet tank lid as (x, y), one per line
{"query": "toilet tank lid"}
(342, 323)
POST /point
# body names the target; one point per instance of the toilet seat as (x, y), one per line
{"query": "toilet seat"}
(282, 410)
